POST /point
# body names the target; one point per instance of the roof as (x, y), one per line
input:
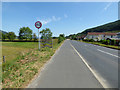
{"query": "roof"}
(81, 36)
(101, 33)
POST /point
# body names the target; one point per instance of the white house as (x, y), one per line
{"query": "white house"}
(101, 35)
(118, 35)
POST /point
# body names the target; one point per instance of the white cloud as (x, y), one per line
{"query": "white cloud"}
(65, 16)
(48, 20)
(56, 18)
(51, 19)
(107, 6)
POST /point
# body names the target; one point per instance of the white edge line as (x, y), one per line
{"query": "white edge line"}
(96, 76)
(108, 53)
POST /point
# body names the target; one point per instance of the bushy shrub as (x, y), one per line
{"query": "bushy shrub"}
(112, 42)
(61, 38)
(91, 40)
(117, 42)
(108, 42)
(86, 40)
(103, 41)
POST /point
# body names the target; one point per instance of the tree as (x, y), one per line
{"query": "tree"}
(4, 36)
(74, 37)
(61, 38)
(11, 36)
(46, 36)
(0, 35)
(34, 37)
(25, 33)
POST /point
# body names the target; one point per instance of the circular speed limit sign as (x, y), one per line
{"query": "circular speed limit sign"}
(38, 24)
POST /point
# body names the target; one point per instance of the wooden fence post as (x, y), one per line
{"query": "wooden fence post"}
(3, 59)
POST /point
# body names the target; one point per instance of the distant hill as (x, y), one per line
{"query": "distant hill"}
(3, 32)
(110, 27)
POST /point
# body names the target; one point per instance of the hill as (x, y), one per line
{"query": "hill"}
(109, 27)
(3, 32)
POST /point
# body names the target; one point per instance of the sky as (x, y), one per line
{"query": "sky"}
(60, 17)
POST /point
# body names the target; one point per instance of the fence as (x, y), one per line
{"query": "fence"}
(46, 43)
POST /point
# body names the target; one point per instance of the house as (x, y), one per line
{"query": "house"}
(81, 37)
(100, 35)
(118, 35)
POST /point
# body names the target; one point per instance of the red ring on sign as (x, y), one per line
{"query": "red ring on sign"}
(39, 23)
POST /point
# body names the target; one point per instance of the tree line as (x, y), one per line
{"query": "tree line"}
(25, 34)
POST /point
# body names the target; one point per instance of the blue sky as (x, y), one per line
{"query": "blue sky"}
(63, 17)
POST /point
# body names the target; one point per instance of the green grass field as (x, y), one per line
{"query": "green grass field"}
(11, 50)
(23, 62)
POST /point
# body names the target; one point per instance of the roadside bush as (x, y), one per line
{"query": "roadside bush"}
(104, 42)
(112, 42)
(61, 38)
(108, 42)
(101, 41)
(117, 42)
(91, 40)
(86, 40)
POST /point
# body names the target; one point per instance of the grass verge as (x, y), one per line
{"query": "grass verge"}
(19, 71)
(108, 46)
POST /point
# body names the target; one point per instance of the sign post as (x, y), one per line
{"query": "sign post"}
(38, 25)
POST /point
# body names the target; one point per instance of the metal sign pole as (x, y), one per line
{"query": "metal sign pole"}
(39, 39)
(38, 25)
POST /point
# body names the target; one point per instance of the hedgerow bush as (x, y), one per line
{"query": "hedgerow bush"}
(91, 40)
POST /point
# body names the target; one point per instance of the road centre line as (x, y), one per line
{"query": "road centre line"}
(100, 79)
(108, 53)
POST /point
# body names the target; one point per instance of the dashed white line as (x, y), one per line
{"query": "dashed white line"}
(108, 53)
(98, 77)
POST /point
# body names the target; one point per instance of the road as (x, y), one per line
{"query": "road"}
(79, 65)
(104, 61)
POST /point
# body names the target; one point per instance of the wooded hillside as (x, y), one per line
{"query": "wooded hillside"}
(110, 27)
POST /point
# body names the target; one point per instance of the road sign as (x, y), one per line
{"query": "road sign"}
(38, 24)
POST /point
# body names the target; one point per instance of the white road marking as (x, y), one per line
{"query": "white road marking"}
(108, 53)
(98, 77)
(108, 48)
